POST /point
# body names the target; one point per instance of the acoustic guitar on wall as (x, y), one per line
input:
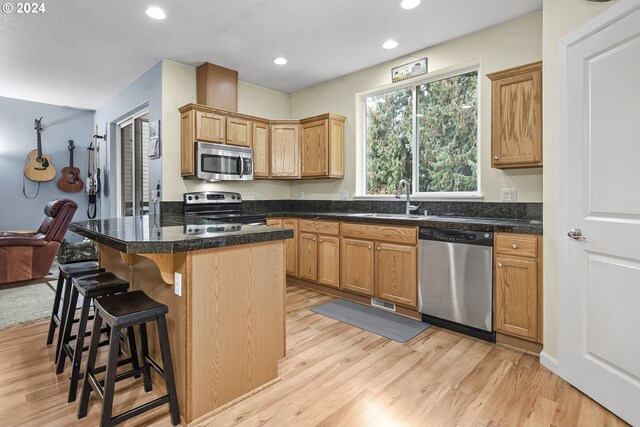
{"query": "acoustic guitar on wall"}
(39, 167)
(70, 181)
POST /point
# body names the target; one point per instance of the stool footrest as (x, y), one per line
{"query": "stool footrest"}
(140, 409)
(154, 365)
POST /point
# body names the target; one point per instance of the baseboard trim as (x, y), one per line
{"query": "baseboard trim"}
(551, 363)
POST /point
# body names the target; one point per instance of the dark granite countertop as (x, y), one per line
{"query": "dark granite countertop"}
(506, 225)
(173, 233)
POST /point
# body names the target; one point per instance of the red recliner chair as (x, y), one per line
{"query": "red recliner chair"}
(29, 256)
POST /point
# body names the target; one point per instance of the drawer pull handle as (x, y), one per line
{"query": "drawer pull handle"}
(317, 226)
(499, 265)
(379, 248)
(514, 246)
(320, 240)
(496, 157)
(369, 246)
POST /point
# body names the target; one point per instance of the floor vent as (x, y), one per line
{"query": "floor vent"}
(383, 305)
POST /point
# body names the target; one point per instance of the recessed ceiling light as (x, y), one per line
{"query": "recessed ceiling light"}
(409, 4)
(280, 61)
(156, 13)
(390, 44)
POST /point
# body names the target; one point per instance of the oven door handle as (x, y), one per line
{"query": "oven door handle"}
(240, 166)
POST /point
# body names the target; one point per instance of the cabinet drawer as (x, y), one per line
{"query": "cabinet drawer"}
(322, 227)
(516, 244)
(381, 232)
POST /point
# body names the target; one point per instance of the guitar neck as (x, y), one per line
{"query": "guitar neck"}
(39, 145)
(70, 158)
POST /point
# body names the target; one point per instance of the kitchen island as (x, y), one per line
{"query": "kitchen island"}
(224, 286)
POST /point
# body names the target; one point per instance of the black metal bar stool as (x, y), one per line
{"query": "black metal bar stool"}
(66, 272)
(90, 287)
(125, 311)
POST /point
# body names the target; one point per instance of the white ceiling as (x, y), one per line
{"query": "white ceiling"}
(80, 53)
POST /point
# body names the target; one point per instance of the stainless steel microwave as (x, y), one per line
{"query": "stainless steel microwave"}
(218, 162)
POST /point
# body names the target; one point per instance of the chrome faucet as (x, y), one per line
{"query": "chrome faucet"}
(410, 207)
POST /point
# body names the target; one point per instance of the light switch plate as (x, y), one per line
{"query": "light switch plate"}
(509, 195)
(177, 287)
(344, 195)
(301, 195)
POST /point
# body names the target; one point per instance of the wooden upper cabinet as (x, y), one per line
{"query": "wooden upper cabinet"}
(239, 132)
(210, 127)
(315, 148)
(187, 142)
(260, 149)
(396, 273)
(516, 117)
(356, 265)
(285, 151)
(322, 146)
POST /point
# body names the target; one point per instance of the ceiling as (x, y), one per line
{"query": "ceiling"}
(81, 53)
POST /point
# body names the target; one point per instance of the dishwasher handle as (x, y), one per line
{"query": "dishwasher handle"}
(478, 238)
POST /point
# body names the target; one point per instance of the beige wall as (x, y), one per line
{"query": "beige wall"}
(560, 17)
(513, 43)
(178, 89)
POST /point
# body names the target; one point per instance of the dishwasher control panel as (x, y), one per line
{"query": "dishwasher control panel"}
(457, 236)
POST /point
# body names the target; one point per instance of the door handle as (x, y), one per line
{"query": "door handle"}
(241, 166)
(576, 234)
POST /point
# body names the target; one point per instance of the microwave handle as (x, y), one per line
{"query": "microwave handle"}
(240, 166)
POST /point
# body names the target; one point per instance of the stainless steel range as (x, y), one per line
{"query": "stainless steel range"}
(209, 208)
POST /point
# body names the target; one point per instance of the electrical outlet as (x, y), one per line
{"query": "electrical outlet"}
(301, 195)
(177, 287)
(509, 195)
(344, 195)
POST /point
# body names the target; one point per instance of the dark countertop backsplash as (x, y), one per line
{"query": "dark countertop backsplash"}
(465, 209)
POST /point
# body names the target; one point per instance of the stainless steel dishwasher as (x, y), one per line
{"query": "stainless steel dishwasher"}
(455, 280)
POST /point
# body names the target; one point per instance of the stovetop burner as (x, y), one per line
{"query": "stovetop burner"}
(219, 206)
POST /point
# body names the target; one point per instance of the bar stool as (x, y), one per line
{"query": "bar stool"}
(125, 311)
(90, 287)
(66, 272)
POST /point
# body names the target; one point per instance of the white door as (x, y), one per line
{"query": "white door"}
(600, 196)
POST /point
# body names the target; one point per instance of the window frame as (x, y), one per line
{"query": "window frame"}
(361, 137)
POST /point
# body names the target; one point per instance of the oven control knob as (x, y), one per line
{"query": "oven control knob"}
(196, 197)
(189, 198)
(233, 197)
(239, 197)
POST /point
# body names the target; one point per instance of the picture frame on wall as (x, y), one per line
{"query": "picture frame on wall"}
(409, 70)
(153, 150)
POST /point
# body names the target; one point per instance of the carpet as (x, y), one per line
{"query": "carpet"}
(384, 323)
(25, 304)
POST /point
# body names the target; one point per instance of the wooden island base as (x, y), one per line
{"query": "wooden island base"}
(227, 327)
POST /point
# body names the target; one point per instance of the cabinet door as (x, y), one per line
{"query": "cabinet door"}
(356, 265)
(516, 297)
(285, 151)
(187, 142)
(308, 257)
(329, 261)
(210, 127)
(396, 273)
(292, 247)
(315, 148)
(260, 149)
(239, 132)
(336, 148)
(276, 222)
(516, 127)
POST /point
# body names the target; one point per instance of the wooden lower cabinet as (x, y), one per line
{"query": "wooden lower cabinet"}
(396, 273)
(357, 261)
(329, 261)
(516, 297)
(275, 222)
(291, 247)
(308, 256)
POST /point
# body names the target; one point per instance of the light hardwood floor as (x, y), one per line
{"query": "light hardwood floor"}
(333, 375)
